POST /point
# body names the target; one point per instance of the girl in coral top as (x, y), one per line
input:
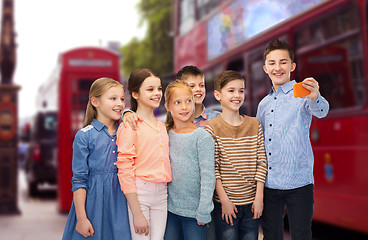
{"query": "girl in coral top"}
(143, 159)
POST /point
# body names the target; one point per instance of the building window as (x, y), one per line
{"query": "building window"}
(187, 16)
(204, 7)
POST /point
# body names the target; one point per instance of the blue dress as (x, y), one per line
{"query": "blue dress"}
(94, 157)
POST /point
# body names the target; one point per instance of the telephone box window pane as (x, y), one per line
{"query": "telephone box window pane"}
(84, 84)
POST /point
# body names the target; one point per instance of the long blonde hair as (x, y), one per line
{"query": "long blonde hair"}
(98, 87)
(168, 93)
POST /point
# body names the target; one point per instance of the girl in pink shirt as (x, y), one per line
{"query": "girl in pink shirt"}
(143, 159)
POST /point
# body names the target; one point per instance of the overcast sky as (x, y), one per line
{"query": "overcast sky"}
(47, 27)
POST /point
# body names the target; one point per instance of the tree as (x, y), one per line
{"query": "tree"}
(155, 51)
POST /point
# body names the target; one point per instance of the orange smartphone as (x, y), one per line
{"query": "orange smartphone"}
(299, 90)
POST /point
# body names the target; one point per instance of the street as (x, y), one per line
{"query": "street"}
(39, 218)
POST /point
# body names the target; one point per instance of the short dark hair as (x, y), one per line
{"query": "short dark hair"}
(225, 77)
(188, 71)
(277, 44)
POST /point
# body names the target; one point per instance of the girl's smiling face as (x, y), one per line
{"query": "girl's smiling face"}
(150, 92)
(181, 105)
(109, 105)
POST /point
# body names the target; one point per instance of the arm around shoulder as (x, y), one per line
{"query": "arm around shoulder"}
(130, 117)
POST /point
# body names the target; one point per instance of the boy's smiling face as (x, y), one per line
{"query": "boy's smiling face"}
(231, 96)
(196, 83)
(278, 67)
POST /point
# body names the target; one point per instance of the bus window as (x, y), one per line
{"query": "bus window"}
(50, 123)
(210, 101)
(330, 49)
(260, 84)
(46, 124)
(236, 65)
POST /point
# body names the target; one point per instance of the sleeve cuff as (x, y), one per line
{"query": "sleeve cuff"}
(203, 218)
(127, 110)
(76, 187)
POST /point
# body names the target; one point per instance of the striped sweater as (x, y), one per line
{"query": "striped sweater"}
(240, 158)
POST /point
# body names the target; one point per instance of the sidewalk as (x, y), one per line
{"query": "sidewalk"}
(39, 218)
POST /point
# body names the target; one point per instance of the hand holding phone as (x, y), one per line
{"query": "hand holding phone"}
(299, 90)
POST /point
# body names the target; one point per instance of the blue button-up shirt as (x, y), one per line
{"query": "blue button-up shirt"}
(286, 121)
(94, 152)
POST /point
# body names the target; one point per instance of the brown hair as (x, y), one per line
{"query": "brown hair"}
(98, 88)
(135, 81)
(225, 77)
(277, 44)
(168, 93)
(188, 71)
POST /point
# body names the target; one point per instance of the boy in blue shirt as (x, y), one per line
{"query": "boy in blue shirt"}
(286, 121)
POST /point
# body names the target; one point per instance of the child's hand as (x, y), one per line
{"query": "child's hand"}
(257, 207)
(200, 224)
(140, 224)
(312, 85)
(130, 118)
(84, 227)
(229, 211)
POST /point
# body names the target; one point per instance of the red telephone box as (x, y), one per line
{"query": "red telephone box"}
(76, 71)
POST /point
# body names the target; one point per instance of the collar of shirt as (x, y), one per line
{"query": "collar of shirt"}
(156, 127)
(204, 115)
(99, 125)
(285, 88)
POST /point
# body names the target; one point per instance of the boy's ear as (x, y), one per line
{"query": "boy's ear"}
(265, 69)
(135, 95)
(217, 95)
(293, 66)
(94, 101)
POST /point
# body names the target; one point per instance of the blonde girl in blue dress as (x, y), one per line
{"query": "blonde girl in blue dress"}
(99, 208)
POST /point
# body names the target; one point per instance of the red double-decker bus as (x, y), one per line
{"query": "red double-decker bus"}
(65, 96)
(330, 43)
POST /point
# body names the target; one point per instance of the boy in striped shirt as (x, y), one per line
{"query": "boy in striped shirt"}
(240, 162)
